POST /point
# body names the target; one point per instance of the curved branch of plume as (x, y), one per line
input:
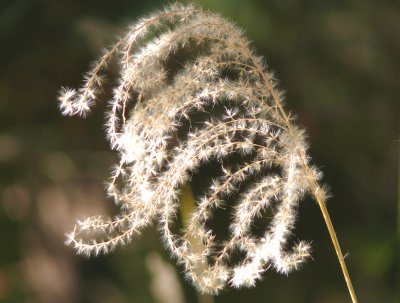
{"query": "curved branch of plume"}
(191, 91)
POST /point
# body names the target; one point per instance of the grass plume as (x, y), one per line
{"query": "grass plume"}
(191, 90)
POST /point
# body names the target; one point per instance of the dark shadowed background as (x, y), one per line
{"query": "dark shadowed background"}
(339, 63)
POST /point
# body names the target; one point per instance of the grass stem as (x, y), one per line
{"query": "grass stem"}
(332, 233)
(187, 209)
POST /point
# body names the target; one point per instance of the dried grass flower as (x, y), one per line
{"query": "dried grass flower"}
(192, 91)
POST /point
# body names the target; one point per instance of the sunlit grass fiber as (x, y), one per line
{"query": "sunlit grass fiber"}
(190, 90)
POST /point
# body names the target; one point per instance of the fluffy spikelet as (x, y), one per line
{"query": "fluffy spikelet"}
(166, 122)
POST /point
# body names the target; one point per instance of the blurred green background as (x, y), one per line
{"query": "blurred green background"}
(339, 63)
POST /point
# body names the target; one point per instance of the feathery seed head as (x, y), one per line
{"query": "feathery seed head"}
(191, 91)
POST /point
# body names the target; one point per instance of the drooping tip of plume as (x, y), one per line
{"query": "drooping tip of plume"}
(245, 276)
(73, 103)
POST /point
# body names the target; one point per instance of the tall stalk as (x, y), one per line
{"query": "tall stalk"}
(335, 242)
(188, 207)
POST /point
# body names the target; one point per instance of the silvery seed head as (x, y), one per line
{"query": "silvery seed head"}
(217, 102)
